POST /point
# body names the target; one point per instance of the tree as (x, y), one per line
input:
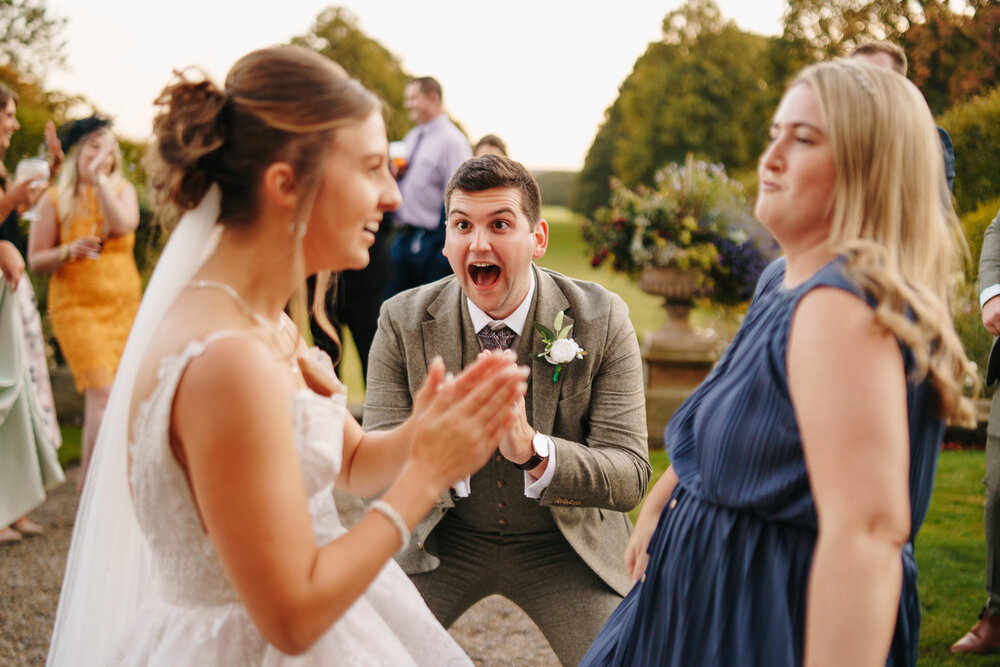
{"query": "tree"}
(337, 36)
(702, 88)
(555, 186)
(29, 37)
(822, 29)
(35, 106)
(954, 57)
(592, 185)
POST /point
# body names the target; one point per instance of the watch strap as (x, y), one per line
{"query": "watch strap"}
(536, 457)
(530, 464)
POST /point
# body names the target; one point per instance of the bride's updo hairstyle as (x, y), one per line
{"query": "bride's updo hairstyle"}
(280, 104)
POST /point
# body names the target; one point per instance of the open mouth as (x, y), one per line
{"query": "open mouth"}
(484, 274)
(372, 227)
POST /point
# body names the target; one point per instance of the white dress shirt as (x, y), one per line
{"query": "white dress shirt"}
(988, 294)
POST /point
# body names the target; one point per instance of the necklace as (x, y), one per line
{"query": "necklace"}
(274, 329)
(266, 324)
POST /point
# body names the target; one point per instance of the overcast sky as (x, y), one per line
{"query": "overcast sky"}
(539, 73)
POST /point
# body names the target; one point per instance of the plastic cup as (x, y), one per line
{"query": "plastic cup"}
(397, 153)
(32, 168)
(35, 169)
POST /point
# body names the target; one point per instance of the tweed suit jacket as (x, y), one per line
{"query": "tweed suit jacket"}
(989, 274)
(594, 413)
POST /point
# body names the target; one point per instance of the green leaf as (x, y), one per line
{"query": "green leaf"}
(565, 331)
(559, 320)
(547, 334)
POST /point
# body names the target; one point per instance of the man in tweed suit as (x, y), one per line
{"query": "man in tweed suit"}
(984, 637)
(550, 538)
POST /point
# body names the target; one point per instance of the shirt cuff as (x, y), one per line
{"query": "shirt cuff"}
(463, 487)
(533, 487)
(987, 294)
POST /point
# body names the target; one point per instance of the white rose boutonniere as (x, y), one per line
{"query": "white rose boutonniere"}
(560, 349)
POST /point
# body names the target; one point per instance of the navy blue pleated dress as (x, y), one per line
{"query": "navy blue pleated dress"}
(730, 558)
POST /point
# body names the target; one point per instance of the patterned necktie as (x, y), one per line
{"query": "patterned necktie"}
(499, 338)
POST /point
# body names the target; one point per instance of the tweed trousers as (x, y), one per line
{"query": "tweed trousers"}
(991, 517)
(539, 572)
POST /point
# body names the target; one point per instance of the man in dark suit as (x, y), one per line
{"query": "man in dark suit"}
(543, 523)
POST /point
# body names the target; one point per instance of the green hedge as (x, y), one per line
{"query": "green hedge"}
(974, 224)
(975, 131)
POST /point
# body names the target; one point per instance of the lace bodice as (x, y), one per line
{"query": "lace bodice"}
(187, 570)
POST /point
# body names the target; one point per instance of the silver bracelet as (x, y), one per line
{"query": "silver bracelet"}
(389, 512)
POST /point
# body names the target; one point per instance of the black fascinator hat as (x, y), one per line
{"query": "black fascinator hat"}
(72, 132)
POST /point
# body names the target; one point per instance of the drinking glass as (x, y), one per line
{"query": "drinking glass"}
(32, 168)
(397, 153)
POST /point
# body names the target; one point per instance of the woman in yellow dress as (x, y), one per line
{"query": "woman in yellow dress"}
(84, 235)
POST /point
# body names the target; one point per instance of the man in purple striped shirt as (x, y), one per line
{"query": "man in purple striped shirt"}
(434, 148)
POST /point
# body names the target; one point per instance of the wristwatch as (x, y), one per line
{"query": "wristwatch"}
(540, 444)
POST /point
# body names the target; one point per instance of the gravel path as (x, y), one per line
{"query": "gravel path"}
(494, 632)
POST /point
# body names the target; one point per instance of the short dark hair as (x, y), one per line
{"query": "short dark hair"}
(891, 49)
(495, 171)
(491, 140)
(428, 85)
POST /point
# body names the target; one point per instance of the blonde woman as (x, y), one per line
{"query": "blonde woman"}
(802, 467)
(84, 235)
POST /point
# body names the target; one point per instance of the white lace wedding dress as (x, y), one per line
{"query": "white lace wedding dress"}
(197, 618)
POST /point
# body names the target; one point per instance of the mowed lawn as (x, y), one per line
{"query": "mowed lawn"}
(950, 548)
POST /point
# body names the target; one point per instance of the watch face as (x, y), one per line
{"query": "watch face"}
(540, 444)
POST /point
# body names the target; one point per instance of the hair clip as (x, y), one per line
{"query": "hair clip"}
(862, 78)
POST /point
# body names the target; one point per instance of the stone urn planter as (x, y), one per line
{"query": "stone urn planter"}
(677, 358)
(678, 288)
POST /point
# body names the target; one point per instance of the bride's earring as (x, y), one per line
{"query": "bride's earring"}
(297, 229)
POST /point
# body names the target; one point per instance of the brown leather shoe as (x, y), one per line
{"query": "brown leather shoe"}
(984, 636)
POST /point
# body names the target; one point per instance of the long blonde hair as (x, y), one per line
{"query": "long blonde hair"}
(893, 218)
(68, 181)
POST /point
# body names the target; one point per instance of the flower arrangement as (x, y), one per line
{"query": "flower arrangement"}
(696, 217)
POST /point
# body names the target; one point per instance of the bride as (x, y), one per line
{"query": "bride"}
(212, 537)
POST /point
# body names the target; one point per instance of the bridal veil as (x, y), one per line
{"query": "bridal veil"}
(108, 572)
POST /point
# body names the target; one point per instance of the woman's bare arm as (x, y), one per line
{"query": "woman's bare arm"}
(232, 417)
(848, 388)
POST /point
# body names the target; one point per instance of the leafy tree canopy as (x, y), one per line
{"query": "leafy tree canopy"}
(35, 106)
(336, 35)
(702, 88)
(29, 37)
(953, 54)
(708, 87)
